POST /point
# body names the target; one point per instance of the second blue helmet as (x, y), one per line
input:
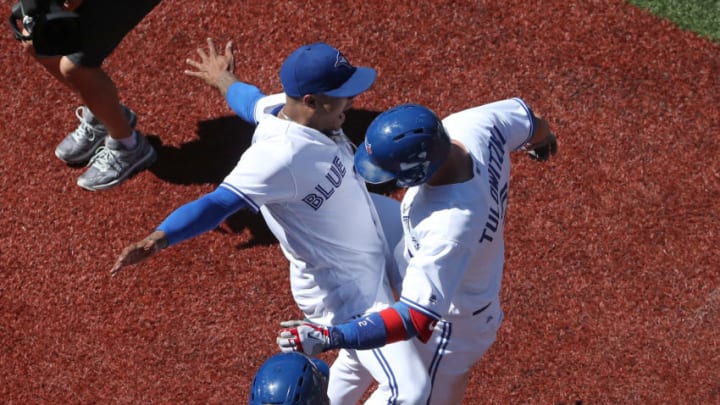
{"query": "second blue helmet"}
(407, 143)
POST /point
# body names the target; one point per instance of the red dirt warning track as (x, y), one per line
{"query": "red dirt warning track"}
(611, 290)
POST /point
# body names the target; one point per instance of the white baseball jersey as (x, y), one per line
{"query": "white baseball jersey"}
(304, 184)
(453, 244)
(454, 233)
(318, 208)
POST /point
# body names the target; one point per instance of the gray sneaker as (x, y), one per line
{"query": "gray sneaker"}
(113, 163)
(79, 145)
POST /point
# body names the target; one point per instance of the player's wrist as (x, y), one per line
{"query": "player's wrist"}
(159, 239)
(336, 338)
(224, 80)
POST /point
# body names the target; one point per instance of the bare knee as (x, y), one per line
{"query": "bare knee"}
(69, 70)
(84, 78)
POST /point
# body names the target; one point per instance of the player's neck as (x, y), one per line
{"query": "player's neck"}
(288, 114)
(457, 168)
(295, 113)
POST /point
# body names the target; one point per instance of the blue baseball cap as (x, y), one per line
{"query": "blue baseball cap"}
(321, 69)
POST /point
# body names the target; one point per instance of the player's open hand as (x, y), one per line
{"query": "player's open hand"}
(302, 336)
(214, 68)
(139, 251)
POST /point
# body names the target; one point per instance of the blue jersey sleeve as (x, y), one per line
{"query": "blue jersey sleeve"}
(242, 98)
(201, 215)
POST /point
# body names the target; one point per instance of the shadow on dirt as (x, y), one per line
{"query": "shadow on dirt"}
(209, 158)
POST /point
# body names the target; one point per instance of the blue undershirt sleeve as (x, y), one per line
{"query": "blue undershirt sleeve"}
(242, 97)
(201, 215)
(370, 331)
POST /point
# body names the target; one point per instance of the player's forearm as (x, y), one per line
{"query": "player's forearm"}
(399, 322)
(367, 333)
(242, 98)
(160, 239)
(200, 216)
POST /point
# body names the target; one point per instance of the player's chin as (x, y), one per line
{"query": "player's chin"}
(337, 125)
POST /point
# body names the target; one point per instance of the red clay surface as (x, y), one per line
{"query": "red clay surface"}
(611, 289)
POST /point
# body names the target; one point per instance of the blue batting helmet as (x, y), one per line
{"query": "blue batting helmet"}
(290, 378)
(407, 143)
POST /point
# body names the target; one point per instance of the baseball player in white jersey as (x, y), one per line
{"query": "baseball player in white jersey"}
(453, 214)
(299, 174)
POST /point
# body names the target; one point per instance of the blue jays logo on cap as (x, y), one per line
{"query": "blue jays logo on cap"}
(341, 60)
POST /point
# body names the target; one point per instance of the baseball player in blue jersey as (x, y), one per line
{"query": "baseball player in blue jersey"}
(299, 174)
(457, 172)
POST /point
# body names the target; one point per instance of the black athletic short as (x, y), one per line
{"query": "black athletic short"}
(104, 24)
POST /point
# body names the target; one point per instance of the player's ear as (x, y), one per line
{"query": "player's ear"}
(310, 101)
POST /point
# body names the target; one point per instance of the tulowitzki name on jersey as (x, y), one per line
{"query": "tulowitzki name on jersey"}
(498, 190)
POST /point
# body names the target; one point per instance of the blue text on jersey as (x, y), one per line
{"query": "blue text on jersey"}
(326, 188)
(498, 193)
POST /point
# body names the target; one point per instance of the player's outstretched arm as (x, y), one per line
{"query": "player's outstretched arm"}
(217, 70)
(188, 221)
(140, 250)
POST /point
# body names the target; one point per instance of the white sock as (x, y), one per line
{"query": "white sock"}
(130, 142)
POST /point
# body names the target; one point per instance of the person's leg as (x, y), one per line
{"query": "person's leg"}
(125, 151)
(454, 348)
(348, 379)
(99, 94)
(105, 24)
(52, 65)
(101, 114)
(399, 372)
